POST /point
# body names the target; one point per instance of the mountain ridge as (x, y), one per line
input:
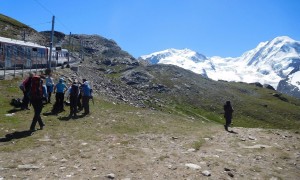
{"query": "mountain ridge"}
(268, 63)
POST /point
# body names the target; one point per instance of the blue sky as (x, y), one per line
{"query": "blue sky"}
(225, 28)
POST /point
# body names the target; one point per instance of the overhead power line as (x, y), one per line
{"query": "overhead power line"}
(39, 24)
(46, 9)
(63, 25)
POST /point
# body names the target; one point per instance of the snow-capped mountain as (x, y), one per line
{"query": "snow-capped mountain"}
(185, 58)
(269, 63)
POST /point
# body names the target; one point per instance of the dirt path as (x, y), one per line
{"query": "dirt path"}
(246, 154)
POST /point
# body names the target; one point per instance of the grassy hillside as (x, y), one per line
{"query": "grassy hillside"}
(11, 28)
(187, 93)
(7, 20)
(106, 117)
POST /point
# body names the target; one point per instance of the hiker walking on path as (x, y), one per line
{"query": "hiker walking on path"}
(60, 88)
(25, 87)
(73, 96)
(50, 85)
(228, 110)
(36, 95)
(86, 96)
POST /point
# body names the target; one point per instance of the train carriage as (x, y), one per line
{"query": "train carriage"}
(16, 54)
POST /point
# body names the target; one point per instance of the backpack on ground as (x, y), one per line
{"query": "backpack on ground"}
(36, 89)
(16, 102)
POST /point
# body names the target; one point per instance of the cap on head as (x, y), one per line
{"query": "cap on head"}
(61, 79)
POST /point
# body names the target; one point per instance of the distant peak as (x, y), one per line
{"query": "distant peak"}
(283, 39)
(177, 50)
(170, 51)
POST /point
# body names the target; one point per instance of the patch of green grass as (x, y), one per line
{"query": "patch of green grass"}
(128, 128)
(197, 144)
(163, 157)
(125, 143)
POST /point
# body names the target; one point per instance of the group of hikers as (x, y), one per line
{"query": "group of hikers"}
(78, 93)
(36, 93)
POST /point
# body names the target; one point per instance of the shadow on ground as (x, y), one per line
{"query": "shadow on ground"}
(16, 135)
(232, 132)
(67, 118)
(15, 110)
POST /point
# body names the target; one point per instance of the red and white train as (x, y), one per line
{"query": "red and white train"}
(22, 54)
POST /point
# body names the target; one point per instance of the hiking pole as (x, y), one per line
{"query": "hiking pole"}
(91, 92)
(93, 100)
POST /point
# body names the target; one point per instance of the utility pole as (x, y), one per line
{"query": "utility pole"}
(24, 34)
(81, 49)
(70, 39)
(69, 51)
(51, 43)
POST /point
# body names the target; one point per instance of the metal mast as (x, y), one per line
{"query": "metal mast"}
(51, 43)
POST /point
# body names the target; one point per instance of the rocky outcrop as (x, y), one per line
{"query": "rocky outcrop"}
(288, 88)
(268, 86)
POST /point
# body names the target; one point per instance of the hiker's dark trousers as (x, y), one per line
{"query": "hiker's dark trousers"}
(25, 100)
(85, 104)
(228, 120)
(73, 105)
(49, 91)
(37, 106)
(79, 104)
(59, 97)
